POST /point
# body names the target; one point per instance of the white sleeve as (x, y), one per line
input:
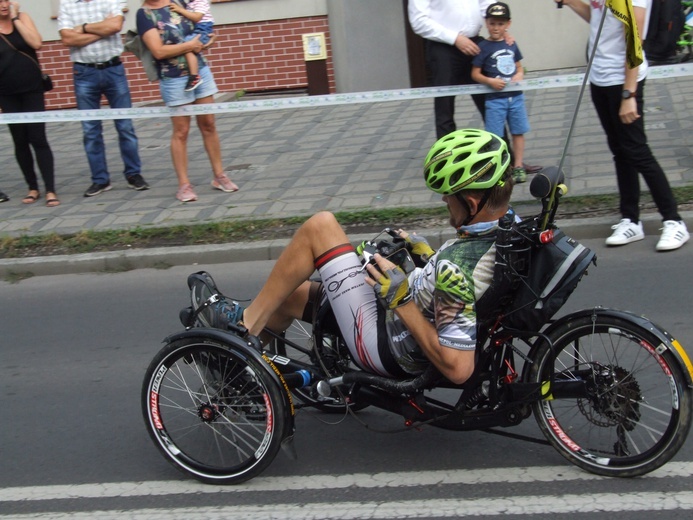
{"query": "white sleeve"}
(423, 24)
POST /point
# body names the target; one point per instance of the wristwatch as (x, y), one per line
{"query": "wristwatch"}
(627, 94)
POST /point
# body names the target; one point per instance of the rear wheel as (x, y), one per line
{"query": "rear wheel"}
(635, 412)
(212, 411)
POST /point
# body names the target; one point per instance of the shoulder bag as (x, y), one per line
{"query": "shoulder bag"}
(45, 78)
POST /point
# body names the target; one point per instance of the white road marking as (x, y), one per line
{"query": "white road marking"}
(526, 505)
(317, 482)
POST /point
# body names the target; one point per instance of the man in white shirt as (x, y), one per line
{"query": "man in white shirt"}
(91, 29)
(451, 29)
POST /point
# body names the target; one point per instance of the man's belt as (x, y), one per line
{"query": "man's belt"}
(100, 66)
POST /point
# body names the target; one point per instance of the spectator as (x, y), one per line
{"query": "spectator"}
(617, 90)
(199, 13)
(451, 30)
(497, 64)
(92, 32)
(164, 32)
(21, 90)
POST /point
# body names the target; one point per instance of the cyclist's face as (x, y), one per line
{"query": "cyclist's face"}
(457, 210)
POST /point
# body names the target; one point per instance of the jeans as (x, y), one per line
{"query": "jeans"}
(632, 155)
(90, 85)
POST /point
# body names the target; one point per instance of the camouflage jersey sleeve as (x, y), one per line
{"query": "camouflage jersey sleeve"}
(445, 290)
(463, 272)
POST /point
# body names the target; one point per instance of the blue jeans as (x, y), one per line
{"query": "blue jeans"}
(90, 85)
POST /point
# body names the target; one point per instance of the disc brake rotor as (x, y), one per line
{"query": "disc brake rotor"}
(615, 401)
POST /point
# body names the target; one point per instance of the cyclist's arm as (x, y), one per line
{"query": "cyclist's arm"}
(455, 365)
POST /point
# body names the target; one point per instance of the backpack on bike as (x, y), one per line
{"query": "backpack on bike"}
(535, 273)
(553, 272)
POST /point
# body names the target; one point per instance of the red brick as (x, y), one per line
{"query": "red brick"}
(252, 56)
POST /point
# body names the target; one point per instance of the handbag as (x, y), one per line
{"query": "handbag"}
(47, 82)
(135, 45)
(45, 78)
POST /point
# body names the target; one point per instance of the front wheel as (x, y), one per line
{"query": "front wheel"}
(212, 410)
(633, 410)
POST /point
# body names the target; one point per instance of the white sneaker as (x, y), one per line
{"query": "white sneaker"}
(625, 232)
(674, 235)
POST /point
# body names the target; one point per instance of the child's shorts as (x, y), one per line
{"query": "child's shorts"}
(510, 109)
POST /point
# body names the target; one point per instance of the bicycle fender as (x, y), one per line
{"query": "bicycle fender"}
(666, 340)
(245, 349)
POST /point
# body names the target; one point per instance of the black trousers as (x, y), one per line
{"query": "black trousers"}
(448, 66)
(632, 155)
(30, 135)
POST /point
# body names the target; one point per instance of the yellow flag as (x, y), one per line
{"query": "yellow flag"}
(623, 10)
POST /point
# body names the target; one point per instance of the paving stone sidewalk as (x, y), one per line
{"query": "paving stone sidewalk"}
(293, 162)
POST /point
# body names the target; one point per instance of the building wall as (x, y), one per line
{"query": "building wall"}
(369, 44)
(257, 56)
(260, 44)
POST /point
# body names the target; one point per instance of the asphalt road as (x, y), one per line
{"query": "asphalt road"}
(74, 349)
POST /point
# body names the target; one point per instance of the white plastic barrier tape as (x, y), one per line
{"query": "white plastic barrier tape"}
(548, 82)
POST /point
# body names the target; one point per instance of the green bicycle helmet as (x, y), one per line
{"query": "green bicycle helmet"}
(466, 159)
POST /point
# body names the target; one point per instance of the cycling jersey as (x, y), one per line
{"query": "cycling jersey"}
(445, 290)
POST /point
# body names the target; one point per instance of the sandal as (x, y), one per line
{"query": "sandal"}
(30, 199)
(52, 200)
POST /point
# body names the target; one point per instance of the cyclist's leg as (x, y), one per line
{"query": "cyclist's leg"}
(320, 243)
(285, 289)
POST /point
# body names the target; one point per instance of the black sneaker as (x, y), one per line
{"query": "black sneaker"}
(3, 197)
(194, 81)
(95, 189)
(137, 183)
(217, 311)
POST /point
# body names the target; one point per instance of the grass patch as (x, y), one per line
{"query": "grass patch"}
(262, 229)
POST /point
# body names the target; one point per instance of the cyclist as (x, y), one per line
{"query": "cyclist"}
(395, 324)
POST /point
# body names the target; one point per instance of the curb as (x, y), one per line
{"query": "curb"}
(166, 257)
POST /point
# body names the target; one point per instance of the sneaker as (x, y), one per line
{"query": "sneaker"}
(137, 183)
(186, 194)
(216, 310)
(3, 197)
(519, 175)
(674, 235)
(194, 81)
(223, 183)
(95, 189)
(530, 168)
(625, 232)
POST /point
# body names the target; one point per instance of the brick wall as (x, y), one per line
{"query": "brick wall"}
(255, 57)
